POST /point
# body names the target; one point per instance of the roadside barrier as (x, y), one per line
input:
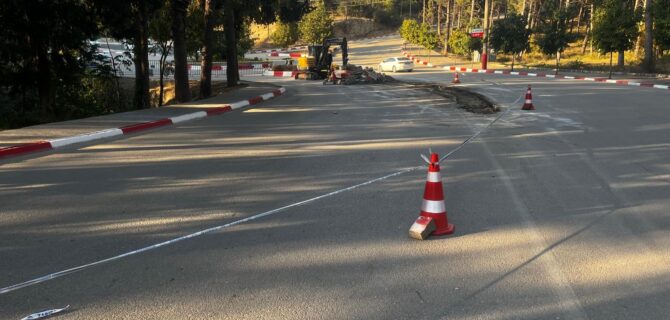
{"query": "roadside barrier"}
(45, 145)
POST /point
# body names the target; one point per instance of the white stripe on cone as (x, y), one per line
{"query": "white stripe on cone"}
(432, 206)
(434, 177)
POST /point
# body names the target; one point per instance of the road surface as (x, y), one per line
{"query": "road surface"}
(560, 213)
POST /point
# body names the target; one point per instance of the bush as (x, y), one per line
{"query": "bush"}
(286, 34)
(386, 18)
(461, 43)
(316, 26)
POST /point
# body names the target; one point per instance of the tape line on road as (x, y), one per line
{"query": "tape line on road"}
(65, 272)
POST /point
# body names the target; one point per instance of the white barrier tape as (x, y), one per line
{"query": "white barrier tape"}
(57, 143)
(431, 206)
(434, 177)
(188, 117)
(660, 86)
(635, 84)
(267, 96)
(65, 272)
(550, 76)
(282, 89)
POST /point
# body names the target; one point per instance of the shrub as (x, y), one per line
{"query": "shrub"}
(286, 34)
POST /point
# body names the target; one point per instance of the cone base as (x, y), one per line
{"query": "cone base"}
(449, 229)
(528, 107)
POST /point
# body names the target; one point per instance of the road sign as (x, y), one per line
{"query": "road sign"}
(477, 33)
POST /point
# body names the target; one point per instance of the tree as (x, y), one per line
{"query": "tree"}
(210, 8)
(130, 20)
(410, 31)
(160, 31)
(614, 27)
(509, 35)
(181, 87)
(428, 38)
(661, 20)
(553, 37)
(648, 62)
(286, 34)
(462, 43)
(316, 26)
(43, 47)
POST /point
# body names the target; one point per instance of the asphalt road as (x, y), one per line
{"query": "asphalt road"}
(560, 213)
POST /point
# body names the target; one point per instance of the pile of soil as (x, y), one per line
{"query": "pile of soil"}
(465, 99)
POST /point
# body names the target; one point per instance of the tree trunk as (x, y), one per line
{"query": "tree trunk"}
(513, 57)
(579, 16)
(447, 32)
(44, 84)
(439, 17)
(586, 38)
(620, 59)
(558, 62)
(206, 63)
(423, 12)
(232, 71)
(182, 91)
(472, 12)
(141, 58)
(610, 75)
(648, 62)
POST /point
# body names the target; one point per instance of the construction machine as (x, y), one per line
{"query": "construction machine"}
(319, 63)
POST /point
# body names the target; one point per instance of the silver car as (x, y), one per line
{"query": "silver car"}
(396, 64)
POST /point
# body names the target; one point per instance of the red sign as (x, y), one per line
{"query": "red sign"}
(477, 33)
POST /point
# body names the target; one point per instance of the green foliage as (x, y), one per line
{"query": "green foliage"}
(409, 30)
(316, 26)
(509, 35)
(286, 34)
(661, 18)
(615, 26)
(462, 43)
(427, 37)
(553, 36)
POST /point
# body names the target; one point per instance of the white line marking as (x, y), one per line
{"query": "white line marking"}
(188, 117)
(65, 272)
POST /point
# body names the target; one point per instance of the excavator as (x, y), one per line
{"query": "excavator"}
(319, 64)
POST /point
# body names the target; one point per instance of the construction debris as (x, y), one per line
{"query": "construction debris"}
(361, 75)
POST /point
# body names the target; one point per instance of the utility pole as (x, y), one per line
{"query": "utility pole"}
(485, 45)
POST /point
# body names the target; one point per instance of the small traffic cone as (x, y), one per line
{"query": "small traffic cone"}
(528, 105)
(432, 209)
(456, 78)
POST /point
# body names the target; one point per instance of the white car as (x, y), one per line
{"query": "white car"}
(396, 64)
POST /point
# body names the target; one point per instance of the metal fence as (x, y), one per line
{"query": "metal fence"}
(218, 69)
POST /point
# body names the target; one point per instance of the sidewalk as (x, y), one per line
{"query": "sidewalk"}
(140, 119)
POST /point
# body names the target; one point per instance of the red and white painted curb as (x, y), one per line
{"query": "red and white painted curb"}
(270, 73)
(133, 128)
(544, 75)
(425, 63)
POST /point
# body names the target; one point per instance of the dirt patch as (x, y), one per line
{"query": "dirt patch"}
(465, 99)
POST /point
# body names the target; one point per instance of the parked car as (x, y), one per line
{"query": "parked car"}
(396, 64)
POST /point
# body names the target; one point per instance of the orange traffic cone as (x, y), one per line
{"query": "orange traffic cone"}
(433, 203)
(528, 105)
(456, 78)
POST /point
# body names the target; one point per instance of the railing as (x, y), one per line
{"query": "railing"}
(218, 69)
